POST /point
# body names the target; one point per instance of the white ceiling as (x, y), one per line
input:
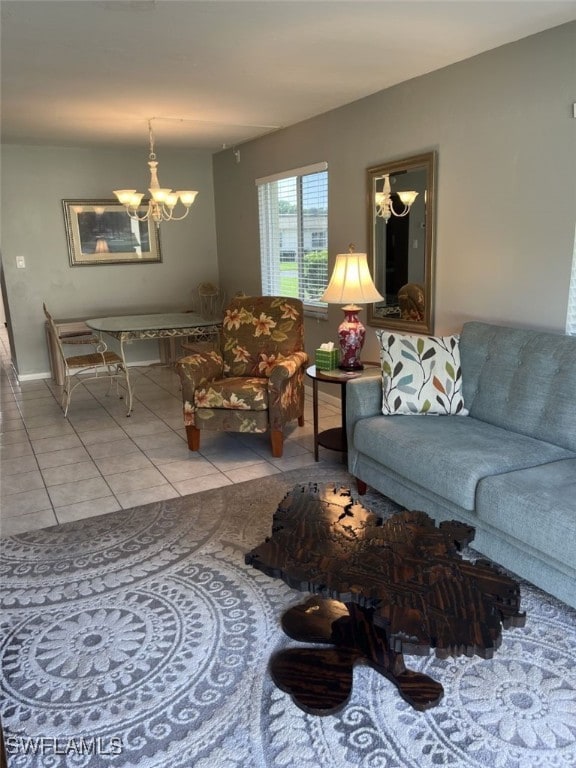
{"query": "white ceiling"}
(92, 72)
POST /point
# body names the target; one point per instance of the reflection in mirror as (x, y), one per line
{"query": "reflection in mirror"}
(400, 240)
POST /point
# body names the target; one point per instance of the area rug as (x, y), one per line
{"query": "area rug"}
(141, 639)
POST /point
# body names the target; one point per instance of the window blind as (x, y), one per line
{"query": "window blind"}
(293, 213)
(571, 314)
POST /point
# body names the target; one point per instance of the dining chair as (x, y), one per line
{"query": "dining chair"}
(84, 367)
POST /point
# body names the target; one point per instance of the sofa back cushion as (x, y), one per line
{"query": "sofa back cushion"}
(522, 380)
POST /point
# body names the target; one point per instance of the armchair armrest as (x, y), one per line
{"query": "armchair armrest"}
(286, 368)
(199, 368)
(286, 389)
(195, 371)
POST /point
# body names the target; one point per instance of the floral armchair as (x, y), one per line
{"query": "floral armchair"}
(255, 382)
(411, 301)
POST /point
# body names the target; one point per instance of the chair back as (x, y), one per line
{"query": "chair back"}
(55, 335)
(259, 330)
(210, 300)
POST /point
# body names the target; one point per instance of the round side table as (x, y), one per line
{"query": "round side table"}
(334, 438)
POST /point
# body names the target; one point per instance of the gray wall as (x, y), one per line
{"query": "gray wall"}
(503, 129)
(34, 182)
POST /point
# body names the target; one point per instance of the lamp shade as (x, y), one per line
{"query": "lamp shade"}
(351, 281)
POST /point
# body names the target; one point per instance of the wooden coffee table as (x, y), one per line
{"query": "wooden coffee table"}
(381, 589)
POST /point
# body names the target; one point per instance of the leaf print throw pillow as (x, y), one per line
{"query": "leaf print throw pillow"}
(421, 375)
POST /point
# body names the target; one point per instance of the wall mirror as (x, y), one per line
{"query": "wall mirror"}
(401, 243)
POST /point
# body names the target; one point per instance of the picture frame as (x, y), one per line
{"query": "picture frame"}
(101, 233)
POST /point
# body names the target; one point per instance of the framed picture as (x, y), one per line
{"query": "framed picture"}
(101, 232)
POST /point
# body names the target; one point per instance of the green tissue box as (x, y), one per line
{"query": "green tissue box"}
(327, 360)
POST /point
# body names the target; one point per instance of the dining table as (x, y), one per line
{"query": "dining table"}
(160, 325)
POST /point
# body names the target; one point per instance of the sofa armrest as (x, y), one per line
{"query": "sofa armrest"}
(363, 399)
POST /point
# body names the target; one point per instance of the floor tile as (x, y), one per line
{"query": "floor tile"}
(83, 490)
(15, 450)
(286, 463)
(112, 465)
(135, 480)
(233, 458)
(185, 470)
(42, 416)
(26, 481)
(51, 444)
(60, 458)
(151, 426)
(69, 473)
(99, 421)
(85, 509)
(61, 429)
(161, 440)
(12, 526)
(19, 465)
(205, 483)
(165, 454)
(113, 448)
(146, 496)
(102, 435)
(25, 502)
(254, 471)
(11, 425)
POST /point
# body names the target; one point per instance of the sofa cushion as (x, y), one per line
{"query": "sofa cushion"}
(449, 455)
(421, 375)
(521, 380)
(536, 506)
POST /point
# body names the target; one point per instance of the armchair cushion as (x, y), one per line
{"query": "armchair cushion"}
(239, 393)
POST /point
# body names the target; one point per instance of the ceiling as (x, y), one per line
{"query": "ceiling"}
(220, 72)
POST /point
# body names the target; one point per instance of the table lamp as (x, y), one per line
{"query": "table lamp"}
(351, 284)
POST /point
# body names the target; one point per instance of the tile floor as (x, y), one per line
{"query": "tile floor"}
(55, 469)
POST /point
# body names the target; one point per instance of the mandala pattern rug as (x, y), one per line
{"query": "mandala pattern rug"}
(141, 639)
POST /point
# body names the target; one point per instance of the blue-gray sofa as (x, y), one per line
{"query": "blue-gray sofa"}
(508, 468)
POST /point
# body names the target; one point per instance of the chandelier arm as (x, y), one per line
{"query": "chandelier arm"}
(135, 217)
(170, 216)
(404, 212)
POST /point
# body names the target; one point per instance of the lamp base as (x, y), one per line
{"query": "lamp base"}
(351, 334)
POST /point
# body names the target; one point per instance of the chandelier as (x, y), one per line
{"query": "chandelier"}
(162, 200)
(385, 203)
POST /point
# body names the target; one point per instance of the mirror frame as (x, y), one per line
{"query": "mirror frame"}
(426, 161)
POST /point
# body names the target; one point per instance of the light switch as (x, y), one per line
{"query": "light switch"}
(20, 262)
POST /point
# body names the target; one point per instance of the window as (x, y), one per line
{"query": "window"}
(571, 316)
(293, 210)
